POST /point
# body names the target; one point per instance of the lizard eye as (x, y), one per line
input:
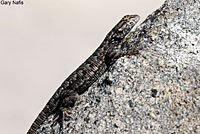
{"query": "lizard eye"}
(131, 23)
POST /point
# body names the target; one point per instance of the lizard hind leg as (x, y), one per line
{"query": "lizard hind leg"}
(64, 111)
(61, 116)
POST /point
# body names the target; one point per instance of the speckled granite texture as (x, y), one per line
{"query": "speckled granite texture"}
(157, 91)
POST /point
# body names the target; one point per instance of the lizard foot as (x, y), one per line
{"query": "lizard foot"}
(61, 116)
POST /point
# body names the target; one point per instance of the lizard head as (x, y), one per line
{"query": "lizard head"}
(117, 36)
(123, 27)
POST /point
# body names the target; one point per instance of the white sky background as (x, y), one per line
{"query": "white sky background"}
(42, 42)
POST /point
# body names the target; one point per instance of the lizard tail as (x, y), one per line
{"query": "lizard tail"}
(38, 121)
(47, 110)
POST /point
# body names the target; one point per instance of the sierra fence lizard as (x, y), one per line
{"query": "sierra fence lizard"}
(88, 72)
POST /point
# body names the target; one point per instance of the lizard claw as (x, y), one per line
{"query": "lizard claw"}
(61, 116)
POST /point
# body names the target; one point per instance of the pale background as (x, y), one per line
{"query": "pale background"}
(43, 41)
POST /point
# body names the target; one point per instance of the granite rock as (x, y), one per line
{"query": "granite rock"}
(156, 91)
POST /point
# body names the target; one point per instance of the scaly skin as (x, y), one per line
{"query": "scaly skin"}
(88, 72)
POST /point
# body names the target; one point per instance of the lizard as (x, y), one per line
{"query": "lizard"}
(89, 71)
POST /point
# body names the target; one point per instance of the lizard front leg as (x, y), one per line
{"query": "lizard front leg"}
(115, 53)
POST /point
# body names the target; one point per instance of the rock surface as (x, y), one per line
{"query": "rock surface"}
(156, 91)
